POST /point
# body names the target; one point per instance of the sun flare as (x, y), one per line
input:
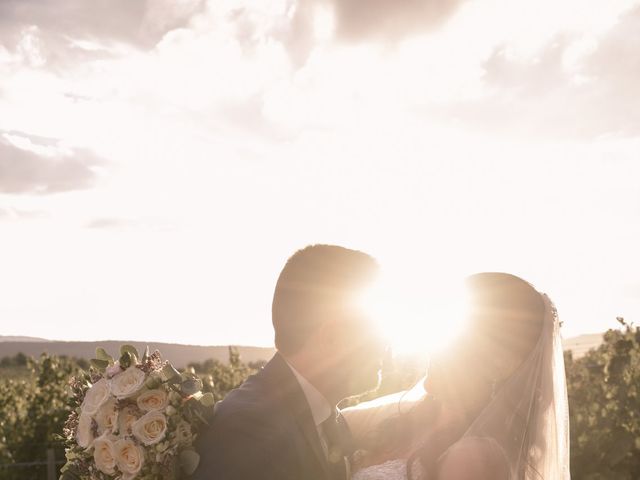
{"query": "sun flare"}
(416, 321)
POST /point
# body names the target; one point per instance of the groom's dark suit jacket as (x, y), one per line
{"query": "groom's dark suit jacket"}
(263, 430)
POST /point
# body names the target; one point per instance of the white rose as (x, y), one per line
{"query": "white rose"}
(153, 400)
(150, 428)
(127, 383)
(126, 419)
(129, 457)
(104, 455)
(95, 397)
(84, 433)
(107, 416)
(113, 370)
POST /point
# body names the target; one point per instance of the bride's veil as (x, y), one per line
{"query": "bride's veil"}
(528, 417)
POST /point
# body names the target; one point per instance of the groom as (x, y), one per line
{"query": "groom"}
(282, 423)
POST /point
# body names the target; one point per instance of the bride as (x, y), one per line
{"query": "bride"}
(493, 407)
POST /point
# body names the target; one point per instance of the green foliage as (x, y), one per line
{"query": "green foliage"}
(18, 360)
(604, 389)
(34, 402)
(603, 386)
(219, 378)
(32, 413)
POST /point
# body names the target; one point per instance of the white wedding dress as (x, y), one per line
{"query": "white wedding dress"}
(391, 470)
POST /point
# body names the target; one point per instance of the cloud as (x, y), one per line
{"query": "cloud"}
(109, 223)
(355, 21)
(574, 86)
(249, 116)
(8, 213)
(56, 32)
(33, 165)
(389, 20)
(139, 224)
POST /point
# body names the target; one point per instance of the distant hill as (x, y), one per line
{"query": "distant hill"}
(21, 339)
(180, 355)
(581, 344)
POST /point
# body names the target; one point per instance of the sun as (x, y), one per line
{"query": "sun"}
(418, 319)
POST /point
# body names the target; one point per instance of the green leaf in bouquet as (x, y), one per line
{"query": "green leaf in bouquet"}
(98, 364)
(145, 355)
(170, 374)
(152, 382)
(207, 400)
(193, 400)
(101, 354)
(126, 360)
(131, 352)
(191, 386)
(68, 475)
(189, 460)
(129, 348)
(202, 418)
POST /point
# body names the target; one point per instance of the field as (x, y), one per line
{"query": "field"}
(603, 387)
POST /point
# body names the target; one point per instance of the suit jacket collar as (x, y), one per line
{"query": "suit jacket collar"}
(321, 409)
(288, 392)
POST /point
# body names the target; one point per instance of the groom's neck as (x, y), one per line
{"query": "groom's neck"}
(314, 372)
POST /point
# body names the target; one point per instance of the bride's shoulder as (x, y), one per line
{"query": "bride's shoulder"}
(473, 458)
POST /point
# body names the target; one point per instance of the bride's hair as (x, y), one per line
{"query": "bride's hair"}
(506, 316)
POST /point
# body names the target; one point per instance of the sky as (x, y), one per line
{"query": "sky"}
(161, 159)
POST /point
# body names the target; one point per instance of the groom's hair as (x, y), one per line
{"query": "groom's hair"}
(316, 282)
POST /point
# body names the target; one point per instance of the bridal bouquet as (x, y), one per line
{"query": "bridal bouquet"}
(133, 419)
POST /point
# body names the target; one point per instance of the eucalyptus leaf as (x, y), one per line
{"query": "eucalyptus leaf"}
(170, 374)
(202, 418)
(101, 354)
(98, 364)
(191, 386)
(145, 355)
(67, 475)
(129, 348)
(189, 460)
(152, 382)
(126, 360)
(207, 400)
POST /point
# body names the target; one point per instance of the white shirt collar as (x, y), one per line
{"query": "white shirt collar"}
(320, 407)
